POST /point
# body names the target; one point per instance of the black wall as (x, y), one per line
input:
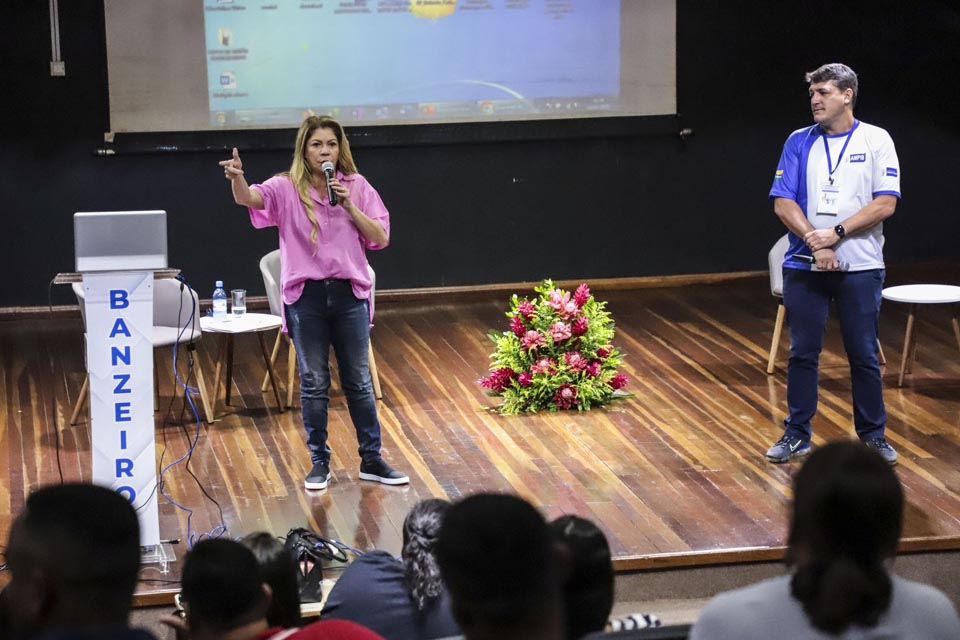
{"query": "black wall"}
(586, 204)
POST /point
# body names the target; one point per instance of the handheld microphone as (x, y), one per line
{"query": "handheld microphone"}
(327, 168)
(843, 265)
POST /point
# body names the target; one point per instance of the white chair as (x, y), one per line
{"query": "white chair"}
(775, 262)
(270, 269)
(171, 310)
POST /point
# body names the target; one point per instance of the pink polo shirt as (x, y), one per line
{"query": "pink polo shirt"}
(340, 251)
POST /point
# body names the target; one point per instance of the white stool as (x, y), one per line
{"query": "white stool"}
(914, 294)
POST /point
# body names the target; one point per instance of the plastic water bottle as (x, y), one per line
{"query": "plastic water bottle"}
(219, 302)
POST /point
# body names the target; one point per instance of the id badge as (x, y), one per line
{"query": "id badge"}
(829, 202)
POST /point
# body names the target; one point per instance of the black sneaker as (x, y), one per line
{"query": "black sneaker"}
(787, 448)
(318, 476)
(379, 471)
(881, 446)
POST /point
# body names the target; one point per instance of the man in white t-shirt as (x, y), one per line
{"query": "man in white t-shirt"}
(837, 181)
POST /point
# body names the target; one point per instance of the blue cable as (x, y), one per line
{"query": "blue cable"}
(188, 393)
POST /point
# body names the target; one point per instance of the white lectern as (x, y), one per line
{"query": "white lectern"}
(118, 274)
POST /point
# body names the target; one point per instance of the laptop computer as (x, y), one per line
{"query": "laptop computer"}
(120, 240)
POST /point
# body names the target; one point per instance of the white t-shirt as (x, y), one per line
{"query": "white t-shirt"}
(862, 163)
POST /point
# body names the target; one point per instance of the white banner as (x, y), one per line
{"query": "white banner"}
(119, 309)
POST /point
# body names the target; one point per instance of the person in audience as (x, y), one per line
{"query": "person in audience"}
(504, 570)
(224, 599)
(402, 599)
(278, 570)
(845, 524)
(326, 220)
(588, 592)
(73, 556)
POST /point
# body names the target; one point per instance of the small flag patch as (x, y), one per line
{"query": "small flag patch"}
(892, 171)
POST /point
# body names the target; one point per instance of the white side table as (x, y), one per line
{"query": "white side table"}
(914, 294)
(228, 328)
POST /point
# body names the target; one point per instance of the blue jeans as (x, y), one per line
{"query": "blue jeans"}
(807, 296)
(326, 314)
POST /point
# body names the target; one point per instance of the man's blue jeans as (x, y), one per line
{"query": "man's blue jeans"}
(328, 314)
(807, 296)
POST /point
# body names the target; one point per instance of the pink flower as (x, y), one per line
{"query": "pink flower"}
(533, 339)
(604, 352)
(524, 379)
(558, 300)
(498, 380)
(575, 360)
(517, 326)
(570, 309)
(618, 381)
(593, 369)
(559, 331)
(566, 396)
(580, 326)
(526, 309)
(544, 365)
(582, 295)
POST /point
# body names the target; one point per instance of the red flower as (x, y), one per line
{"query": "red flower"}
(575, 360)
(566, 396)
(559, 331)
(524, 379)
(593, 369)
(532, 340)
(558, 300)
(581, 295)
(580, 326)
(517, 326)
(526, 309)
(604, 352)
(498, 380)
(618, 381)
(544, 365)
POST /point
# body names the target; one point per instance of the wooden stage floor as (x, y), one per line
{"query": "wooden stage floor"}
(675, 475)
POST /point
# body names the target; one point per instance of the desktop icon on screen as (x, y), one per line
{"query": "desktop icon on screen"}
(224, 36)
(228, 80)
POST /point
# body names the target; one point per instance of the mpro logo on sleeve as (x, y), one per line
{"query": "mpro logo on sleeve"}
(778, 175)
(858, 157)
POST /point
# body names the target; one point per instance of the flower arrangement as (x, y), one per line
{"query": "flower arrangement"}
(558, 353)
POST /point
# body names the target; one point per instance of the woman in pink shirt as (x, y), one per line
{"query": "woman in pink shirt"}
(324, 280)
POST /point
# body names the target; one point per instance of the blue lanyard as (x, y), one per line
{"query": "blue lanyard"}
(826, 148)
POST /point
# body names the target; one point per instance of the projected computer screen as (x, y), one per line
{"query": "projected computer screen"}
(229, 64)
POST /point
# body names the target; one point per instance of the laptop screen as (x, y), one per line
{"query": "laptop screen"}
(120, 240)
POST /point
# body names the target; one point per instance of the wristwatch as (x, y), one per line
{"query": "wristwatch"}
(840, 231)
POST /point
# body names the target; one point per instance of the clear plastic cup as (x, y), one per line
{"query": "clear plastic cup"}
(238, 297)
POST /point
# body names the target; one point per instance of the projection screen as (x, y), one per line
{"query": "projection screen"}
(195, 65)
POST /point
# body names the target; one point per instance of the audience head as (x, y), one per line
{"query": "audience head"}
(278, 570)
(73, 557)
(588, 593)
(221, 588)
(421, 528)
(846, 521)
(502, 569)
